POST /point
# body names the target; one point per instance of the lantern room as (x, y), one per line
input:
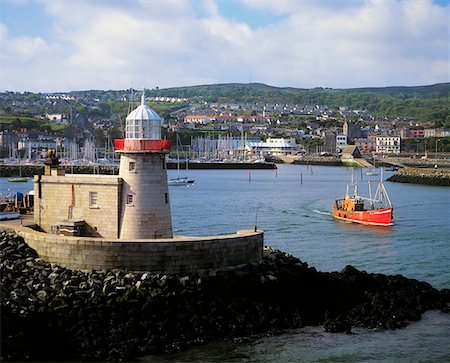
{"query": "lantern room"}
(143, 123)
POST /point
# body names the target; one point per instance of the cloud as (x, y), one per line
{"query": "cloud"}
(120, 44)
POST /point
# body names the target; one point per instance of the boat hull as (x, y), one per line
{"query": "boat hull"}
(375, 217)
(181, 181)
(18, 180)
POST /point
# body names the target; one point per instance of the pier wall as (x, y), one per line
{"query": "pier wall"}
(430, 176)
(180, 254)
(31, 170)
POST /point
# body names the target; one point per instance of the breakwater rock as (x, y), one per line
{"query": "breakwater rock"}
(305, 160)
(50, 313)
(422, 176)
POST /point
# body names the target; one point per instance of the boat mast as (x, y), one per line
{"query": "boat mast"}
(178, 156)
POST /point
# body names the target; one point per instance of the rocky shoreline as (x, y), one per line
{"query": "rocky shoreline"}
(50, 313)
(440, 177)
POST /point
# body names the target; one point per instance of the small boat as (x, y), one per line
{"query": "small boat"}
(18, 179)
(371, 173)
(9, 215)
(181, 181)
(353, 208)
(390, 168)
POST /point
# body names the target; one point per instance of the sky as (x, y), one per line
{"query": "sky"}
(68, 45)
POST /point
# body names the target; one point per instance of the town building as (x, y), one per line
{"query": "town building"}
(8, 139)
(351, 152)
(341, 142)
(366, 146)
(197, 119)
(272, 146)
(329, 141)
(387, 144)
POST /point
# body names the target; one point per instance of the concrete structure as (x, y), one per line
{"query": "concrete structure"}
(167, 255)
(350, 130)
(103, 222)
(366, 146)
(341, 142)
(93, 199)
(387, 144)
(144, 206)
(429, 133)
(272, 146)
(197, 119)
(329, 141)
(8, 139)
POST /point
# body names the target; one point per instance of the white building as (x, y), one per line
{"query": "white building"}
(387, 144)
(197, 119)
(341, 142)
(57, 118)
(272, 146)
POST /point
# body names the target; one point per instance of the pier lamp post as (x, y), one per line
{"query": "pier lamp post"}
(436, 150)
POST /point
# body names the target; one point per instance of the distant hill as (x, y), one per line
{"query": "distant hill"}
(425, 103)
(236, 91)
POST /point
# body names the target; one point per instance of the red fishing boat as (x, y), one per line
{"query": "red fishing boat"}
(375, 211)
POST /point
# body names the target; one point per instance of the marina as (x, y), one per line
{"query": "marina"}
(296, 218)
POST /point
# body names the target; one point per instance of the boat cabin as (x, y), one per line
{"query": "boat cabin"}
(351, 204)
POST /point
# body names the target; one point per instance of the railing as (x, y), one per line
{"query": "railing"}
(136, 145)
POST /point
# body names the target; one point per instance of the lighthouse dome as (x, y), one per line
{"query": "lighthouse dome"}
(143, 112)
(143, 123)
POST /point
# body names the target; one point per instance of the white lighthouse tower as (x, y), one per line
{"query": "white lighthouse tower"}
(144, 206)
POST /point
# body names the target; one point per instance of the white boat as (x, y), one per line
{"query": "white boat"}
(181, 180)
(18, 179)
(371, 173)
(9, 215)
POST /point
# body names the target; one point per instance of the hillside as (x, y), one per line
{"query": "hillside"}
(421, 103)
(424, 103)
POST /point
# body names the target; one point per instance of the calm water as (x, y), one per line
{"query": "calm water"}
(296, 218)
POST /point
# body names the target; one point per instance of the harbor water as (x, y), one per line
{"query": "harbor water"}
(292, 205)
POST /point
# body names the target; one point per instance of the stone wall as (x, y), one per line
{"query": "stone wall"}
(54, 314)
(54, 196)
(145, 211)
(439, 177)
(170, 255)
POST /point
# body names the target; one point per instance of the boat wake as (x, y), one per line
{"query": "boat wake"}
(322, 212)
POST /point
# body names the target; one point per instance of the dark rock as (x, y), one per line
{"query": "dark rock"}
(50, 313)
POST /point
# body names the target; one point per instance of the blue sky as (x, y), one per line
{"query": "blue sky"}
(61, 45)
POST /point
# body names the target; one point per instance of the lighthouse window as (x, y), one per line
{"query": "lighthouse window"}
(166, 196)
(129, 198)
(93, 199)
(132, 166)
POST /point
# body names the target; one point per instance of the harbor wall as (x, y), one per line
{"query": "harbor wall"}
(180, 254)
(439, 177)
(31, 170)
(54, 314)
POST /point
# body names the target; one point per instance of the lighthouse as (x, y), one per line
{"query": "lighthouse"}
(144, 205)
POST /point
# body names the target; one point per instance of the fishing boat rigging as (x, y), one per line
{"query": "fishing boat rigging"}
(379, 211)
